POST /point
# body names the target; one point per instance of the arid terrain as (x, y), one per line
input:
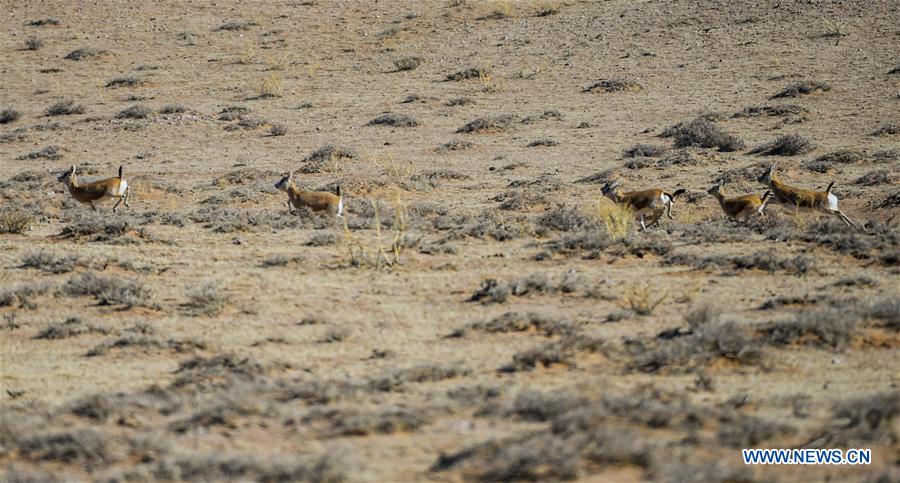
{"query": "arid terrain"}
(481, 311)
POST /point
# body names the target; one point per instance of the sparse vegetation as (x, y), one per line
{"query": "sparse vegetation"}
(236, 25)
(394, 120)
(802, 88)
(407, 63)
(33, 43)
(64, 108)
(790, 145)
(85, 53)
(9, 115)
(207, 299)
(489, 124)
(470, 73)
(126, 81)
(135, 112)
(613, 85)
(703, 133)
(14, 220)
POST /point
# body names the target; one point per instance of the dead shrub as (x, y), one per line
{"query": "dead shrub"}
(567, 218)
(51, 262)
(394, 120)
(81, 446)
(135, 112)
(519, 322)
(470, 73)
(52, 153)
(613, 85)
(802, 88)
(829, 327)
(542, 142)
(703, 133)
(109, 290)
(72, 327)
(207, 299)
(329, 153)
(869, 419)
(773, 111)
(709, 339)
(23, 294)
(644, 150)
(563, 351)
(877, 177)
(126, 81)
(491, 124)
(278, 130)
(460, 101)
(85, 53)
(234, 25)
(407, 63)
(455, 145)
(15, 221)
(64, 108)
(889, 129)
(9, 115)
(173, 109)
(41, 22)
(384, 420)
(789, 145)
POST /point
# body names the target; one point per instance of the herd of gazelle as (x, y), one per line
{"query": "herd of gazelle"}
(646, 204)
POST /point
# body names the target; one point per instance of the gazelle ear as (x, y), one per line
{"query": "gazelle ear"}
(772, 168)
(721, 182)
(73, 169)
(615, 184)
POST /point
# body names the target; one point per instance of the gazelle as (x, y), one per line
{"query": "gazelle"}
(314, 200)
(739, 206)
(799, 198)
(97, 190)
(653, 201)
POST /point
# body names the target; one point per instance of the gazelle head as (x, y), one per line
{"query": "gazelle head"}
(766, 178)
(67, 175)
(610, 190)
(716, 191)
(285, 182)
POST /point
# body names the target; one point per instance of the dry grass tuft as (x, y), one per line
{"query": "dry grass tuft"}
(618, 220)
(641, 299)
(272, 86)
(15, 221)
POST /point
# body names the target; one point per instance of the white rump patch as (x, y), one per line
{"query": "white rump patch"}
(665, 199)
(340, 207)
(832, 202)
(123, 185)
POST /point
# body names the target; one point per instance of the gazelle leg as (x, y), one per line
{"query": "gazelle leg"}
(643, 227)
(125, 200)
(115, 206)
(846, 219)
(669, 210)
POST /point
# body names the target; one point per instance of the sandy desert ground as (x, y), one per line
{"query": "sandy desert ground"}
(481, 312)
